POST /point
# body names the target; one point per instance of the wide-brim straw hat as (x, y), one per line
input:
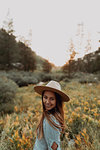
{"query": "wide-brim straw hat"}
(53, 86)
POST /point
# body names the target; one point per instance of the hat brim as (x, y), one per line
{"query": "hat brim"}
(40, 89)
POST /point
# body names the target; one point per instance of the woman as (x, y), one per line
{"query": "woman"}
(52, 121)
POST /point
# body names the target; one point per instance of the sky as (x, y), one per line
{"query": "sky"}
(53, 24)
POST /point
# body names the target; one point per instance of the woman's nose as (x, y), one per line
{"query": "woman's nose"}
(47, 101)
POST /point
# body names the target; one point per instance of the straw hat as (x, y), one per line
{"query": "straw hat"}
(53, 86)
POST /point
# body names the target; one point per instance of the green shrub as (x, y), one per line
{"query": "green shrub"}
(22, 78)
(53, 76)
(8, 90)
(88, 78)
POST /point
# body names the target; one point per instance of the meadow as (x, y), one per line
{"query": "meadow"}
(82, 118)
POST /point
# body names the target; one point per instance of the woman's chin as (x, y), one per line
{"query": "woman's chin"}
(48, 108)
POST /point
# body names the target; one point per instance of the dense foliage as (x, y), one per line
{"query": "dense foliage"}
(8, 90)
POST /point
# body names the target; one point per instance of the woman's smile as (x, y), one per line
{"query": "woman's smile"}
(47, 106)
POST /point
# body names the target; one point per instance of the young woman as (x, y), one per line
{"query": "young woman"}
(52, 122)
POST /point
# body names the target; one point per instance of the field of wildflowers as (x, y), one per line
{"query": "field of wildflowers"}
(82, 118)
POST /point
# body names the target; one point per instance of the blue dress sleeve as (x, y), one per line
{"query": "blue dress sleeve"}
(51, 135)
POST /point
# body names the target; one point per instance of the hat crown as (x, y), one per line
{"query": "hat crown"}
(54, 84)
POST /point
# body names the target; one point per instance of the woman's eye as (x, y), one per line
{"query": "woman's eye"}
(45, 97)
(52, 99)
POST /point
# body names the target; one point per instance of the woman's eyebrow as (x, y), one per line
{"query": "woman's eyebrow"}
(44, 95)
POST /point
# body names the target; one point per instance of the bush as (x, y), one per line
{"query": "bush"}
(46, 77)
(22, 78)
(88, 80)
(7, 93)
(53, 76)
(86, 77)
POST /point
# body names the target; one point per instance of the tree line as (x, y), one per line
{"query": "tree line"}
(18, 55)
(90, 63)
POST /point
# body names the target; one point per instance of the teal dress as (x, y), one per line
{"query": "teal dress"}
(50, 135)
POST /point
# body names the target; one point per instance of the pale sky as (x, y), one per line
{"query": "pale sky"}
(53, 23)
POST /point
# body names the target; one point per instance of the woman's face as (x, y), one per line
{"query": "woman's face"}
(49, 100)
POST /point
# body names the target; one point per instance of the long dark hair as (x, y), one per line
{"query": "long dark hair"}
(57, 112)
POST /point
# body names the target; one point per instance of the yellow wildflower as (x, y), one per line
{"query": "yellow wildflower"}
(16, 134)
(84, 130)
(17, 118)
(77, 142)
(78, 137)
(11, 140)
(16, 108)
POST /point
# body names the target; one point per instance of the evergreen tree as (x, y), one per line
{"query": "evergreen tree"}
(8, 49)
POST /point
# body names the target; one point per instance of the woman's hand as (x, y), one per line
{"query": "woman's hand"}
(54, 146)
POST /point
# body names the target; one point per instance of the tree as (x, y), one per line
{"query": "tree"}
(8, 49)
(13, 53)
(69, 65)
(47, 66)
(8, 24)
(88, 50)
(28, 57)
(8, 45)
